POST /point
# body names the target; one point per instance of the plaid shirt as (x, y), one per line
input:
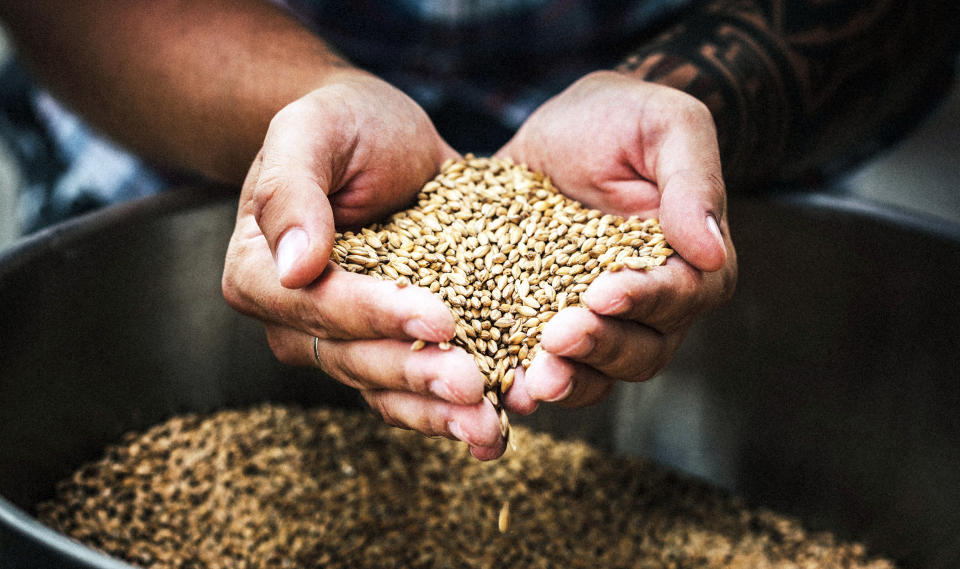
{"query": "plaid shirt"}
(478, 67)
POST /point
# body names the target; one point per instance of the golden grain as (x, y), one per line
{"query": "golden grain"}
(505, 250)
(503, 520)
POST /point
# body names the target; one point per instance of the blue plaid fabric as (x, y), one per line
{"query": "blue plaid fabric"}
(478, 67)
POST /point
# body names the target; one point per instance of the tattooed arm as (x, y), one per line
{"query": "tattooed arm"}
(797, 86)
(778, 89)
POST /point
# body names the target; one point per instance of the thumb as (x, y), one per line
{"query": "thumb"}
(691, 212)
(290, 201)
(295, 216)
(692, 194)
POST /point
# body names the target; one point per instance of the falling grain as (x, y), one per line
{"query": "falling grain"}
(503, 521)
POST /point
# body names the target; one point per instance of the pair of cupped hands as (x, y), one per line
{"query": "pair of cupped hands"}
(357, 149)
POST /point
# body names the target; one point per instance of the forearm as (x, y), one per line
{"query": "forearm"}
(187, 84)
(794, 85)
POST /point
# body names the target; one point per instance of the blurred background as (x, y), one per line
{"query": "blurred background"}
(921, 173)
(8, 176)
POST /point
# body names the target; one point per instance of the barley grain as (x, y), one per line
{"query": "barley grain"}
(503, 521)
(273, 487)
(505, 250)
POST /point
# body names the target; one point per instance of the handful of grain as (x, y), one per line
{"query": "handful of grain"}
(506, 251)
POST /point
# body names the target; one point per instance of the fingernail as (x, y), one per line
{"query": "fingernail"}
(417, 328)
(583, 346)
(544, 366)
(604, 297)
(290, 248)
(714, 228)
(440, 388)
(457, 431)
(615, 305)
(521, 400)
(563, 395)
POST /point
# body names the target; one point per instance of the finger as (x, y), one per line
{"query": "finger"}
(489, 453)
(516, 399)
(619, 349)
(554, 379)
(667, 298)
(395, 179)
(338, 305)
(303, 150)
(346, 305)
(693, 197)
(451, 375)
(477, 425)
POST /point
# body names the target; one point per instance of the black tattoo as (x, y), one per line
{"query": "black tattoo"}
(799, 87)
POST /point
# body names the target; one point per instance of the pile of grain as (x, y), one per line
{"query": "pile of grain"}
(278, 487)
(506, 251)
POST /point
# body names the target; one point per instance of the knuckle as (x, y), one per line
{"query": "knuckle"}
(693, 111)
(647, 370)
(653, 360)
(436, 424)
(232, 283)
(268, 193)
(659, 360)
(652, 304)
(613, 358)
(341, 365)
(688, 290)
(587, 392)
(351, 311)
(322, 325)
(676, 304)
(414, 374)
(230, 289)
(376, 320)
(386, 414)
(382, 407)
(644, 375)
(624, 367)
(290, 114)
(378, 405)
(280, 345)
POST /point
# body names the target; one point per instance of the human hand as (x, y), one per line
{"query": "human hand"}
(628, 147)
(347, 154)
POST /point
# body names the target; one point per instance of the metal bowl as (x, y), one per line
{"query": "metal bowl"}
(828, 389)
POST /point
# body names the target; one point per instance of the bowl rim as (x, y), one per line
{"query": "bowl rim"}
(25, 250)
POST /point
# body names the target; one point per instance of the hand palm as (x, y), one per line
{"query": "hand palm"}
(627, 147)
(345, 155)
(588, 160)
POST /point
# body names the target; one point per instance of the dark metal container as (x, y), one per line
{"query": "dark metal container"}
(827, 389)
